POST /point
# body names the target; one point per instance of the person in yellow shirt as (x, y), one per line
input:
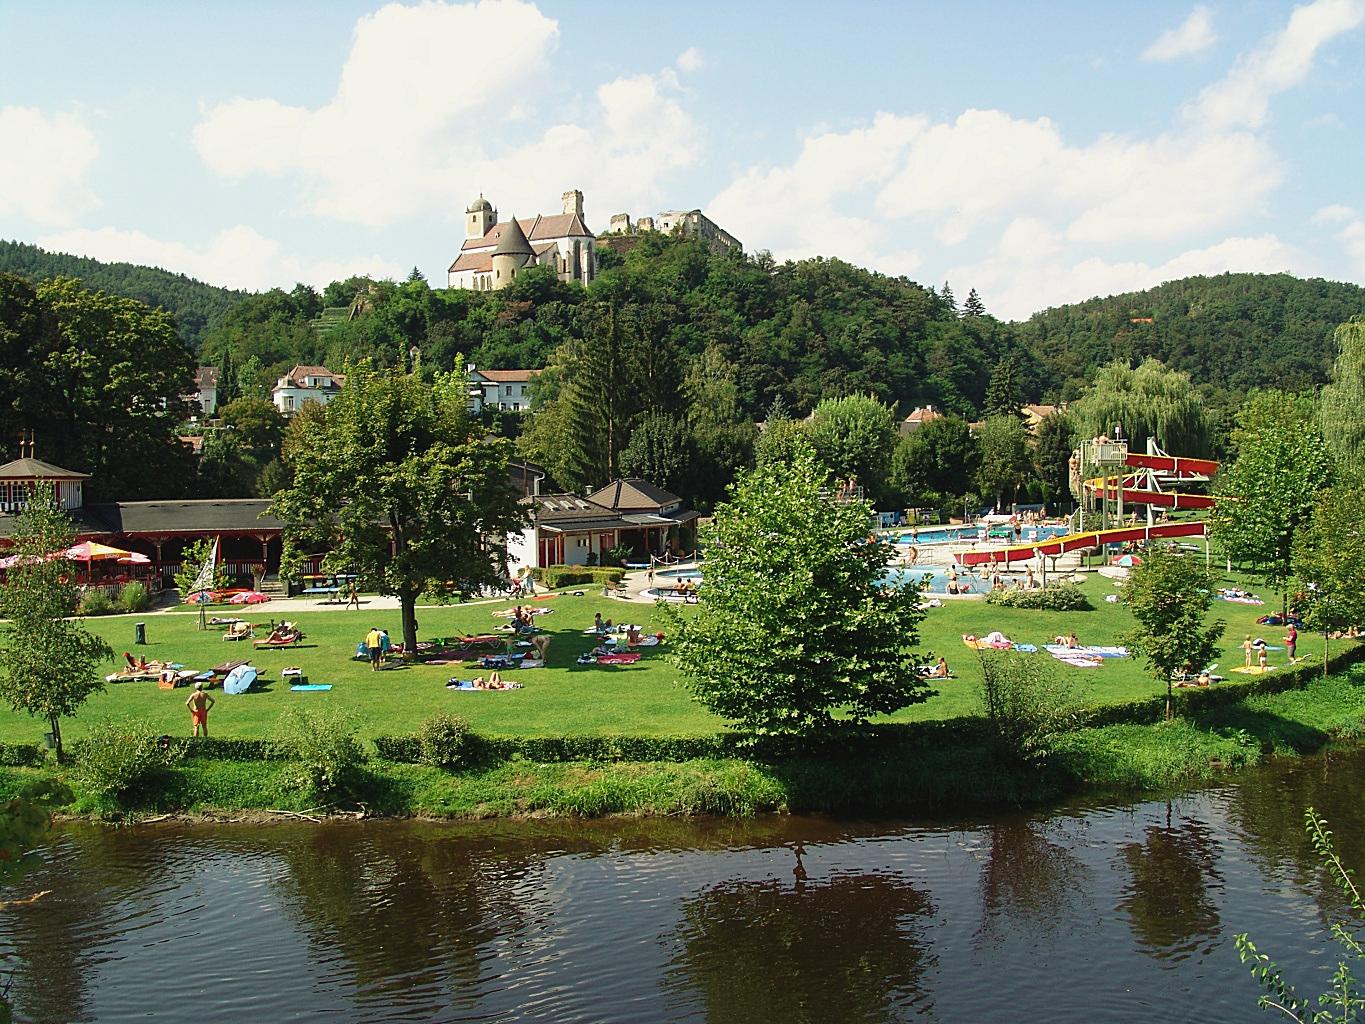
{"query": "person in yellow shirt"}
(374, 643)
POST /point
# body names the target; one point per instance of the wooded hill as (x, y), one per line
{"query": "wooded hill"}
(1234, 331)
(196, 307)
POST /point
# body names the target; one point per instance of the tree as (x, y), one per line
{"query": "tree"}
(398, 481)
(1170, 595)
(192, 559)
(1004, 395)
(973, 306)
(48, 662)
(780, 441)
(854, 436)
(821, 633)
(660, 451)
(1004, 458)
(1268, 493)
(946, 294)
(1150, 401)
(1054, 439)
(722, 434)
(935, 462)
(229, 387)
(1329, 563)
(257, 425)
(1342, 405)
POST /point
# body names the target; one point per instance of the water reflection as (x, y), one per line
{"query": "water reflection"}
(1169, 899)
(1029, 880)
(850, 947)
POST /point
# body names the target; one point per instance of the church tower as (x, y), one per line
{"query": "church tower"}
(512, 252)
(479, 217)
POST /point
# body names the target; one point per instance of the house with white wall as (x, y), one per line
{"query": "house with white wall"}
(305, 384)
(509, 390)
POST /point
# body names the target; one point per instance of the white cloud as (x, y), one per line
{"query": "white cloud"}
(802, 209)
(442, 101)
(237, 257)
(43, 163)
(691, 59)
(1242, 97)
(1031, 268)
(1195, 33)
(1334, 214)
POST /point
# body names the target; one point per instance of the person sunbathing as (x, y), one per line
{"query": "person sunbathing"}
(940, 669)
(633, 637)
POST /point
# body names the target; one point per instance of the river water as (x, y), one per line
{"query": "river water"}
(1087, 911)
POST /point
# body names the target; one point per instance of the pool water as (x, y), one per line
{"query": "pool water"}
(904, 576)
(950, 534)
(678, 574)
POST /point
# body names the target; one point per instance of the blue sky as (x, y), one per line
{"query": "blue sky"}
(1039, 153)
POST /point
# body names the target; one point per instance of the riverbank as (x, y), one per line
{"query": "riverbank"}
(949, 768)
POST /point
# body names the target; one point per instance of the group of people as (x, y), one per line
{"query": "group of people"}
(1255, 653)
(377, 644)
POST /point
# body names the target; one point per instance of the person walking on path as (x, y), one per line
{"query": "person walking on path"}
(353, 597)
(199, 703)
(1291, 641)
(374, 644)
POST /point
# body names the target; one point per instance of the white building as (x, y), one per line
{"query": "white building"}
(305, 384)
(205, 389)
(500, 389)
(495, 252)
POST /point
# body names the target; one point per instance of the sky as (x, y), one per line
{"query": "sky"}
(1039, 153)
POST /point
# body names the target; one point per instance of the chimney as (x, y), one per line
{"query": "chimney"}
(573, 202)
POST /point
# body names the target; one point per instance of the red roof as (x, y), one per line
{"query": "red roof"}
(507, 376)
(299, 374)
(479, 262)
(537, 229)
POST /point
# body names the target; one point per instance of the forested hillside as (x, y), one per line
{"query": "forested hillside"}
(1234, 331)
(195, 306)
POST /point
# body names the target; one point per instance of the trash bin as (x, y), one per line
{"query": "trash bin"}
(139, 632)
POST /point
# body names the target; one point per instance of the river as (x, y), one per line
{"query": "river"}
(1091, 910)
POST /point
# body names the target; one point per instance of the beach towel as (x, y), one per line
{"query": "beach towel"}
(1026, 648)
(311, 686)
(1252, 670)
(624, 658)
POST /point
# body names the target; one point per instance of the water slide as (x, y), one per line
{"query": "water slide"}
(1072, 541)
(1170, 466)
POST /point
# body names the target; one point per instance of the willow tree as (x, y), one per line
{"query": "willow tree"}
(399, 483)
(1341, 411)
(1149, 401)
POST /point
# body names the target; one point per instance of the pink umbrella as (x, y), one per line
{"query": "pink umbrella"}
(134, 558)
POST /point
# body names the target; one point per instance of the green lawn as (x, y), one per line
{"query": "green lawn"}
(647, 698)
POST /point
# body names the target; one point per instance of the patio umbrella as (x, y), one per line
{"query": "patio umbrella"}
(92, 551)
(134, 558)
(1128, 561)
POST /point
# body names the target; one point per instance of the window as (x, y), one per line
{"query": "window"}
(523, 390)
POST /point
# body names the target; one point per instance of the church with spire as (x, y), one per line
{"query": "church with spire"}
(495, 252)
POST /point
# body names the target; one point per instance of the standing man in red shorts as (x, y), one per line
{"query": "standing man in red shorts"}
(199, 703)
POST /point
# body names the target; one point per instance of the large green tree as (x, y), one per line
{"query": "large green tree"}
(796, 629)
(935, 462)
(1004, 394)
(1149, 401)
(854, 437)
(660, 451)
(399, 482)
(1169, 594)
(1054, 439)
(49, 662)
(1342, 404)
(1329, 563)
(99, 380)
(258, 426)
(1005, 458)
(1268, 493)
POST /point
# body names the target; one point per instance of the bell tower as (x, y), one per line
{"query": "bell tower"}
(479, 217)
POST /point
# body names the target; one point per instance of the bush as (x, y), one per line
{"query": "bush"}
(95, 601)
(134, 598)
(443, 739)
(1060, 597)
(556, 576)
(1025, 708)
(326, 748)
(122, 761)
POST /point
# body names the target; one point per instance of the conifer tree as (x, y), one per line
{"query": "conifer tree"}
(973, 306)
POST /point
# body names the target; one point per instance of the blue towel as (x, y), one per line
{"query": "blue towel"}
(311, 686)
(1026, 648)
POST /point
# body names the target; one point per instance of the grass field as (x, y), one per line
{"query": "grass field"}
(647, 698)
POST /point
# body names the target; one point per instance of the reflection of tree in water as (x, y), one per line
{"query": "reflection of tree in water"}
(1169, 906)
(1267, 807)
(1028, 876)
(848, 949)
(407, 913)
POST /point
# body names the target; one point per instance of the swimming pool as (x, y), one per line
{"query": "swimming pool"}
(904, 576)
(678, 574)
(951, 534)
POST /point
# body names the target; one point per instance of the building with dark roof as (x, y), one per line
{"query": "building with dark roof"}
(495, 252)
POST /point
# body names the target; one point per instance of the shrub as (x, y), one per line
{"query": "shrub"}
(134, 598)
(1060, 597)
(95, 601)
(1025, 708)
(326, 748)
(556, 576)
(122, 761)
(442, 739)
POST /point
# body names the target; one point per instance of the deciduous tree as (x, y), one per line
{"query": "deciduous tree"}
(49, 662)
(1150, 401)
(854, 436)
(399, 482)
(1342, 405)
(1004, 458)
(796, 628)
(1329, 563)
(1170, 594)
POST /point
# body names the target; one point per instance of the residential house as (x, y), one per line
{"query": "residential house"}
(500, 389)
(918, 417)
(205, 393)
(305, 384)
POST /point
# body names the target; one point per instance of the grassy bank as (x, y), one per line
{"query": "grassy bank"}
(646, 699)
(948, 770)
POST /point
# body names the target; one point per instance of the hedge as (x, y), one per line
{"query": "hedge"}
(21, 755)
(1060, 597)
(557, 576)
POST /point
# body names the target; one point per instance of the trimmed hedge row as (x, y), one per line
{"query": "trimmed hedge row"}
(557, 576)
(1059, 597)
